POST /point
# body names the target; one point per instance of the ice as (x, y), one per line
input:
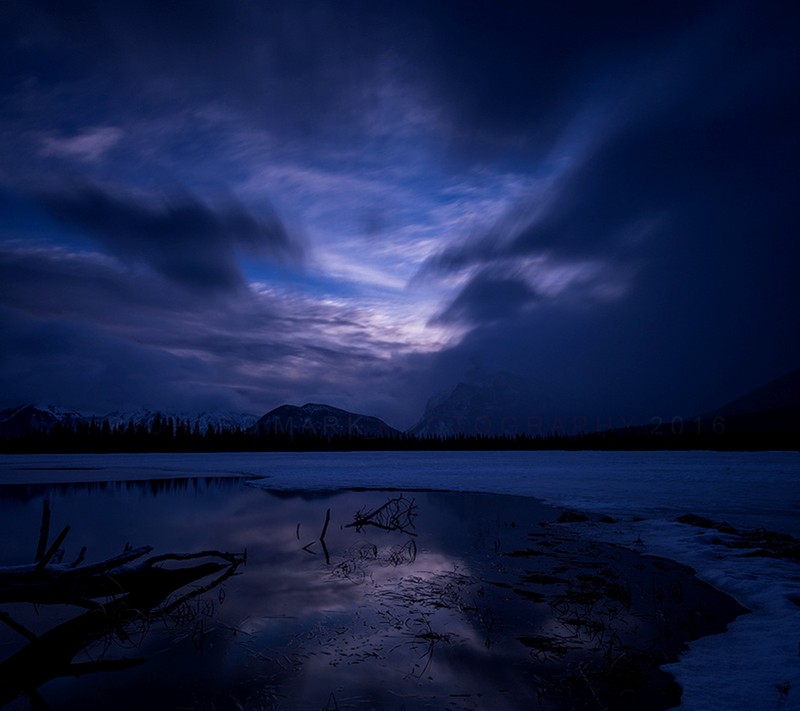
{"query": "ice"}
(745, 668)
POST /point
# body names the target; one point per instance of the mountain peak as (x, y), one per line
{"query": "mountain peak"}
(320, 420)
(487, 403)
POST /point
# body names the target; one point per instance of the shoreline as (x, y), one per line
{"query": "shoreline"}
(617, 617)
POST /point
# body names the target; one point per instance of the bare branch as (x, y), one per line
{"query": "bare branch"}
(16, 626)
(51, 551)
(44, 531)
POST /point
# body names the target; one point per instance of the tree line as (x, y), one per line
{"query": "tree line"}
(168, 434)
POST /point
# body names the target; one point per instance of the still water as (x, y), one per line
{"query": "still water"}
(372, 616)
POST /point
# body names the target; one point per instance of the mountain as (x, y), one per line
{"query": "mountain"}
(774, 407)
(322, 421)
(765, 418)
(20, 421)
(217, 419)
(493, 404)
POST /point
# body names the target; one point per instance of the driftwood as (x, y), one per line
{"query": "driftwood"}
(50, 654)
(397, 514)
(118, 592)
(46, 582)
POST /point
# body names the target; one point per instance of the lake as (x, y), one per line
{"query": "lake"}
(298, 625)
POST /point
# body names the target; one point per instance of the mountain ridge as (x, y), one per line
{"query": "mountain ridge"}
(773, 407)
(318, 419)
(498, 404)
(311, 418)
(25, 419)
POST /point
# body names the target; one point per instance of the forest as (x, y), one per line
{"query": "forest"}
(168, 434)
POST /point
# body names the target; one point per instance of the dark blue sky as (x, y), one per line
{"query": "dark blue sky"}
(234, 205)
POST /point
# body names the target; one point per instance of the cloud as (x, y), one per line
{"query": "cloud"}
(62, 361)
(85, 313)
(89, 145)
(656, 231)
(183, 239)
(486, 299)
(601, 197)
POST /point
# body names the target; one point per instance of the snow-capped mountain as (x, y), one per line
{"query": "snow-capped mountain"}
(322, 421)
(20, 421)
(492, 404)
(24, 420)
(218, 419)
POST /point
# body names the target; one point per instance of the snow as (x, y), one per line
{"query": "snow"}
(741, 669)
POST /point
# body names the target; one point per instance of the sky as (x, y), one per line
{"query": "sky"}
(234, 205)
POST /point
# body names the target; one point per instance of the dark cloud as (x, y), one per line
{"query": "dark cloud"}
(506, 74)
(487, 298)
(689, 195)
(685, 197)
(296, 68)
(700, 131)
(183, 239)
(61, 361)
(514, 71)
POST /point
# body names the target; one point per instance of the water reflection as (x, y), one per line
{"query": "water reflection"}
(154, 487)
(363, 595)
(353, 600)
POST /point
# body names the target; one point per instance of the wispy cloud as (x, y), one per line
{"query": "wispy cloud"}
(264, 341)
(90, 145)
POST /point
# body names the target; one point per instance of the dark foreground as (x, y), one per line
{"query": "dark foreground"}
(348, 600)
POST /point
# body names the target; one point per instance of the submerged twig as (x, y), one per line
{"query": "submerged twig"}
(44, 531)
(397, 514)
(322, 537)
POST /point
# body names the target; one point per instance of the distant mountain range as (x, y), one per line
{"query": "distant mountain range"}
(19, 421)
(504, 404)
(495, 404)
(309, 419)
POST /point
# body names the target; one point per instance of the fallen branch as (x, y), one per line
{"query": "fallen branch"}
(64, 583)
(118, 593)
(148, 587)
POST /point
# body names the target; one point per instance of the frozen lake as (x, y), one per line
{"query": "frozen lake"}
(742, 669)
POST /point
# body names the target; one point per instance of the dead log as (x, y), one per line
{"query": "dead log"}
(64, 583)
(117, 592)
(51, 654)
